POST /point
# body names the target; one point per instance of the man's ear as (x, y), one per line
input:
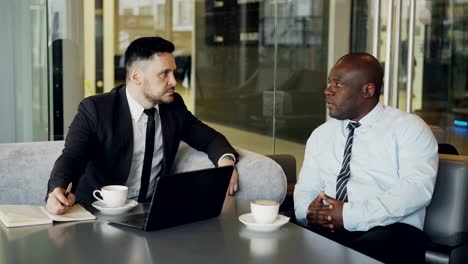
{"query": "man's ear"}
(135, 75)
(368, 90)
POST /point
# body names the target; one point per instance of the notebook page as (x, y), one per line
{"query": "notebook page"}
(22, 215)
(76, 213)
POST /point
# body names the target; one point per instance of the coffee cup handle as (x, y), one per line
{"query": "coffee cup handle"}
(95, 196)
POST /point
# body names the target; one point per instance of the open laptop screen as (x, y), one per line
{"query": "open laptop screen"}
(184, 198)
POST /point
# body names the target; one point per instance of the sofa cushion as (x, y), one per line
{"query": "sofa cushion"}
(259, 176)
(25, 170)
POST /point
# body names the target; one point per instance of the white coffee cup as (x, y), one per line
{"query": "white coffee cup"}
(264, 211)
(112, 195)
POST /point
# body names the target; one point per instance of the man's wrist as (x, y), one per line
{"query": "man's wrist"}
(227, 156)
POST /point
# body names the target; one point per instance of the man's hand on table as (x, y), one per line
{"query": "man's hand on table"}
(233, 187)
(325, 216)
(57, 203)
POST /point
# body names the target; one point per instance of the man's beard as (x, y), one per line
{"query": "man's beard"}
(163, 99)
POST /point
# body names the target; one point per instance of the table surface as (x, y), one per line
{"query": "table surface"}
(219, 240)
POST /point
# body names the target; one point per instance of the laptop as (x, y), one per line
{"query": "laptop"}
(183, 198)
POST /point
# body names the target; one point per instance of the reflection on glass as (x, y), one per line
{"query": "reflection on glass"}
(260, 65)
(245, 66)
(170, 19)
(440, 89)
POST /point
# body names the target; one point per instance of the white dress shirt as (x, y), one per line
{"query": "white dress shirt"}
(139, 121)
(393, 167)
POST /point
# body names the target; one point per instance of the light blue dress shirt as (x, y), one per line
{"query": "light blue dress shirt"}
(393, 167)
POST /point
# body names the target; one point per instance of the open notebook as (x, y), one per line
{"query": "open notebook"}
(26, 215)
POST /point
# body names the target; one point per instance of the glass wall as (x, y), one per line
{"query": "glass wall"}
(259, 66)
(253, 69)
(24, 109)
(439, 84)
(66, 64)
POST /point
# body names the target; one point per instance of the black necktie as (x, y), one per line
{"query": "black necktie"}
(343, 177)
(149, 148)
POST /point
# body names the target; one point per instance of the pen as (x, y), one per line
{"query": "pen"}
(69, 188)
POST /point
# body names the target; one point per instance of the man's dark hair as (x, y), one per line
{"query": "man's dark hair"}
(144, 48)
(369, 66)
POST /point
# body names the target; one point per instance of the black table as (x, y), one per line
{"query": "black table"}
(220, 240)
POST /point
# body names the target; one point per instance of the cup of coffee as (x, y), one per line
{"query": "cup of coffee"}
(112, 195)
(264, 211)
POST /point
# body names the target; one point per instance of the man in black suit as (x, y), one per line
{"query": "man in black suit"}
(106, 145)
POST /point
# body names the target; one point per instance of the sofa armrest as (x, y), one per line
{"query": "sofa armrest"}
(448, 249)
(452, 241)
(26, 166)
(447, 215)
(259, 176)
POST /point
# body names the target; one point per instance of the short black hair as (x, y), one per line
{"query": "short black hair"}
(144, 48)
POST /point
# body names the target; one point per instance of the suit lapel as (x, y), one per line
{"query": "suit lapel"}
(124, 131)
(164, 131)
(167, 129)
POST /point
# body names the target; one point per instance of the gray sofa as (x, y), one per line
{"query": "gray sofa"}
(25, 170)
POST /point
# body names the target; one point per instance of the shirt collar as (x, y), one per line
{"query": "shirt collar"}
(372, 116)
(136, 109)
(369, 119)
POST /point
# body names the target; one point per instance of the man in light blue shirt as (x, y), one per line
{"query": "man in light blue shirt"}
(367, 186)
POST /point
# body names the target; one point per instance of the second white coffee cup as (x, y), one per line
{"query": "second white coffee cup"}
(264, 211)
(112, 195)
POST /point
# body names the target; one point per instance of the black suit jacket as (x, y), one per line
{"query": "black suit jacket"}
(99, 145)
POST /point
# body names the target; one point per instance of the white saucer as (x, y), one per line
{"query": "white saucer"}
(128, 205)
(249, 221)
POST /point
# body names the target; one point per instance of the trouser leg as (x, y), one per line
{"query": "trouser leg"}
(396, 243)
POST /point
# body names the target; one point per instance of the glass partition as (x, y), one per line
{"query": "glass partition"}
(24, 112)
(440, 89)
(253, 69)
(259, 68)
